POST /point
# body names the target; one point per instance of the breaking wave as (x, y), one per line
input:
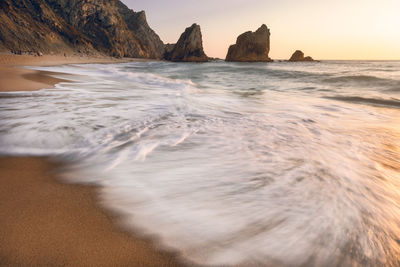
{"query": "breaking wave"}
(230, 163)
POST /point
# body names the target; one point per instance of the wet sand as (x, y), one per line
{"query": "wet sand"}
(48, 223)
(44, 222)
(13, 77)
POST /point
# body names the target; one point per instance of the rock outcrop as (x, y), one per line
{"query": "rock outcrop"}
(251, 46)
(104, 26)
(168, 48)
(299, 56)
(189, 47)
(31, 26)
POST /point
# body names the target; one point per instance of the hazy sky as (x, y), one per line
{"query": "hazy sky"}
(334, 29)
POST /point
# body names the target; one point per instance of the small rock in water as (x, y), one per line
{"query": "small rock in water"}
(298, 55)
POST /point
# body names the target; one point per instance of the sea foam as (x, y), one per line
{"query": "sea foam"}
(230, 163)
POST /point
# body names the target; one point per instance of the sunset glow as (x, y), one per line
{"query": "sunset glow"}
(200, 133)
(340, 29)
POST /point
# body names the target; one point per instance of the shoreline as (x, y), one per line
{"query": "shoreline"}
(46, 221)
(14, 77)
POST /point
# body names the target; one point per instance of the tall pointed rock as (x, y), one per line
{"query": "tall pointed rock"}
(189, 47)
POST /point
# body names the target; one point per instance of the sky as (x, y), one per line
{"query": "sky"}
(334, 29)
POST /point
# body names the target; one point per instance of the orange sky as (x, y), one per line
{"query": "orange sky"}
(339, 29)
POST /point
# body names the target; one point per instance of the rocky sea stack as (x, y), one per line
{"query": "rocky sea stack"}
(58, 26)
(189, 47)
(251, 46)
(298, 56)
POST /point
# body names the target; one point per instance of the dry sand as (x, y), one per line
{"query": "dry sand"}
(44, 222)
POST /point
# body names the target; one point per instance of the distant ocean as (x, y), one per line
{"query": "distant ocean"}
(280, 163)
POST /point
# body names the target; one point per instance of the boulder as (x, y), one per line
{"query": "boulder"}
(251, 46)
(189, 47)
(298, 56)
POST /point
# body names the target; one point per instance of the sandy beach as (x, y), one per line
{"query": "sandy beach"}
(44, 222)
(47, 222)
(13, 77)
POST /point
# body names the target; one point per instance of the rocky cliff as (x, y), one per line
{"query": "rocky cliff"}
(189, 47)
(251, 46)
(33, 26)
(104, 26)
(299, 56)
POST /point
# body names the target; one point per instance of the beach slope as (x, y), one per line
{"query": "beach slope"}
(47, 223)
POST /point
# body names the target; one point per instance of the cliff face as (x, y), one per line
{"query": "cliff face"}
(137, 23)
(251, 46)
(102, 25)
(189, 47)
(112, 27)
(33, 26)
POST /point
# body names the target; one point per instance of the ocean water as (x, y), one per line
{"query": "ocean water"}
(278, 164)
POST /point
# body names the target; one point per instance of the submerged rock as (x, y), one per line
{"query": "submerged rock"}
(299, 56)
(251, 46)
(189, 47)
